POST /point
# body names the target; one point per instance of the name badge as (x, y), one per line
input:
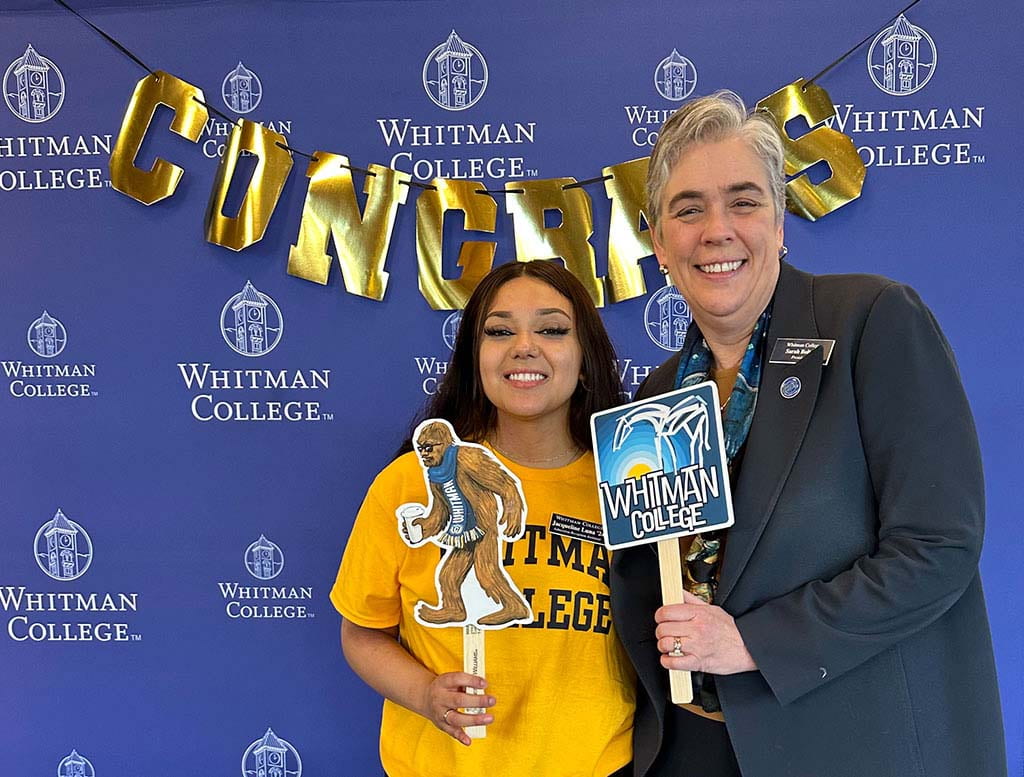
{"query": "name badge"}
(577, 528)
(790, 350)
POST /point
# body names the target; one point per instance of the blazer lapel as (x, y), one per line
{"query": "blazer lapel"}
(778, 427)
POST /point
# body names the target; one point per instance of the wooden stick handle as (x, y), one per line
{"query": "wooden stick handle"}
(671, 567)
(473, 663)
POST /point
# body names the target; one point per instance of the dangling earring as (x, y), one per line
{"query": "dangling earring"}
(664, 271)
(783, 252)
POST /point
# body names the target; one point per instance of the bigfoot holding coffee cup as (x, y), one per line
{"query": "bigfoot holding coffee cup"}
(468, 487)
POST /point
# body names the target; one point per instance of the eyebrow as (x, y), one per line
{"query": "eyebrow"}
(694, 194)
(539, 312)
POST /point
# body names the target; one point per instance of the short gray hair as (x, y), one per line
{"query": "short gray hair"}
(717, 117)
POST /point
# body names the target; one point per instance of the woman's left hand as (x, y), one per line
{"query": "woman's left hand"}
(705, 633)
(448, 694)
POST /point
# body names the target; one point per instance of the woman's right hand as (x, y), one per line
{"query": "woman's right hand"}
(447, 693)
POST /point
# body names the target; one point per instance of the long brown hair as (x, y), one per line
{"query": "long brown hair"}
(460, 398)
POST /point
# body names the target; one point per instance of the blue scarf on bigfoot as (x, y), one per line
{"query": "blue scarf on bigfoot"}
(462, 528)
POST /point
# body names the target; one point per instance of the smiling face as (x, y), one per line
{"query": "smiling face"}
(530, 358)
(719, 236)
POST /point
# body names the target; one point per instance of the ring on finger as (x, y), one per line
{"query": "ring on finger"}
(677, 647)
(447, 712)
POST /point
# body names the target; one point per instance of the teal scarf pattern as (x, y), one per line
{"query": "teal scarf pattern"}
(701, 565)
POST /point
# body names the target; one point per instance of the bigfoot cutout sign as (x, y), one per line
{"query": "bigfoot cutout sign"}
(475, 506)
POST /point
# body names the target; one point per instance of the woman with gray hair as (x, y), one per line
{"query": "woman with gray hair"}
(838, 628)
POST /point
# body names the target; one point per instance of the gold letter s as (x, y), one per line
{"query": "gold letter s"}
(812, 201)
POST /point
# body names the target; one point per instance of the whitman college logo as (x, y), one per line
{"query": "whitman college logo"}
(901, 59)
(241, 89)
(47, 336)
(271, 756)
(251, 322)
(667, 317)
(675, 77)
(455, 74)
(33, 87)
(432, 369)
(63, 548)
(64, 552)
(450, 329)
(264, 559)
(75, 765)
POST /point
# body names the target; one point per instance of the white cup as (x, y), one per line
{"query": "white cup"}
(408, 513)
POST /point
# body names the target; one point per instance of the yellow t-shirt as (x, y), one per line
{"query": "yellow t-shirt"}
(564, 687)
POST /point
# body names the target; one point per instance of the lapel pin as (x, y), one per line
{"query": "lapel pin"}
(790, 387)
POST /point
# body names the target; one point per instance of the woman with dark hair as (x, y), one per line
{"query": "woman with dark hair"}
(461, 397)
(531, 363)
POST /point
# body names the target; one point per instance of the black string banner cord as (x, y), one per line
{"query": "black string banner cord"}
(587, 182)
(108, 38)
(220, 114)
(215, 112)
(124, 50)
(291, 150)
(848, 53)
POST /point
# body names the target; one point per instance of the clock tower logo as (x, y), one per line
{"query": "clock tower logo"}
(33, 87)
(675, 77)
(251, 322)
(450, 328)
(455, 74)
(63, 549)
(667, 317)
(241, 89)
(271, 756)
(264, 559)
(75, 765)
(901, 59)
(47, 336)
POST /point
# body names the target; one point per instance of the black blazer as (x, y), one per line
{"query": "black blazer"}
(852, 568)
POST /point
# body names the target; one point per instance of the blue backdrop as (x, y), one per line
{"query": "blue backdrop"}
(164, 577)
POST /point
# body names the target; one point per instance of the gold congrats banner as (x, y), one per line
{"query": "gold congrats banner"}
(362, 239)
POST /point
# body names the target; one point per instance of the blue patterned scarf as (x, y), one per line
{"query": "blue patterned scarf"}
(701, 565)
(739, 409)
